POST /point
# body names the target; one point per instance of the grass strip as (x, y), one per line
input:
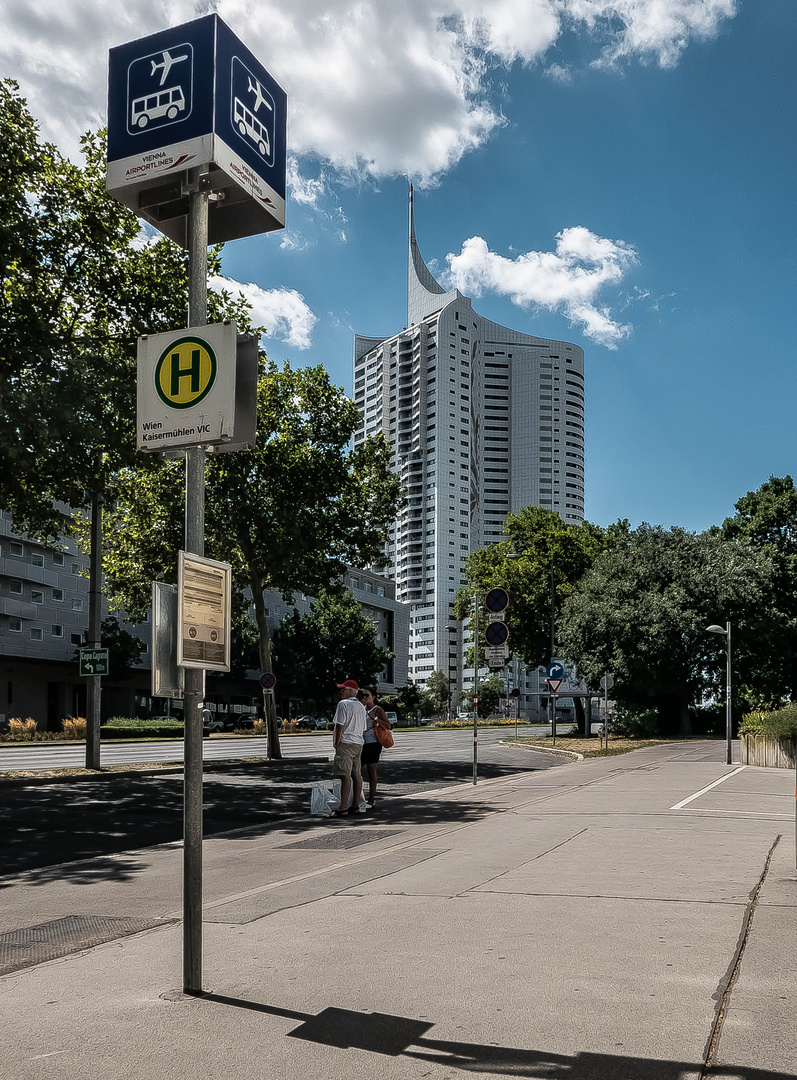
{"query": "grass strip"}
(590, 748)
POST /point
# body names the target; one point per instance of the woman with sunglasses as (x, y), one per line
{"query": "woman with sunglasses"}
(372, 748)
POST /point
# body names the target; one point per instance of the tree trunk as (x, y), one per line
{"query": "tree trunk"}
(582, 716)
(264, 636)
(685, 722)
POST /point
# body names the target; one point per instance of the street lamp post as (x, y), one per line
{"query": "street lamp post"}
(726, 633)
(455, 668)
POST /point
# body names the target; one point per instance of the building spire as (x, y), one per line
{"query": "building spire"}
(422, 289)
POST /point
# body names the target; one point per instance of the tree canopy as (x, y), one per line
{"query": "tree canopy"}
(640, 613)
(333, 641)
(79, 282)
(549, 551)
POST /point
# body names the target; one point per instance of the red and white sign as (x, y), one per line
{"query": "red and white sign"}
(554, 684)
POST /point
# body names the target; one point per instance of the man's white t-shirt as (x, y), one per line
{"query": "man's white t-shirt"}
(351, 715)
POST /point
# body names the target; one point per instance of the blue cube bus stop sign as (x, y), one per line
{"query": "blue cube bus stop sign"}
(193, 96)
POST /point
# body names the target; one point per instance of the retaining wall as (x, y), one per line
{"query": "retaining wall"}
(771, 753)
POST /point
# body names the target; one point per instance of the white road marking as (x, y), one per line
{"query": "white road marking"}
(697, 794)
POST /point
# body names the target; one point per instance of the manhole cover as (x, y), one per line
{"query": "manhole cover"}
(345, 838)
(47, 941)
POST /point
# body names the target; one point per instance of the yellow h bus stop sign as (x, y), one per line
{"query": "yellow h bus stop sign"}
(186, 388)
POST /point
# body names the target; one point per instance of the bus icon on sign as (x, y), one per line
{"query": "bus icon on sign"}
(169, 103)
(252, 110)
(151, 103)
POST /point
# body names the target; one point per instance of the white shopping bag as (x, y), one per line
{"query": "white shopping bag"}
(325, 797)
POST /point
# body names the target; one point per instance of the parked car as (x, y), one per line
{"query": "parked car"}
(322, 723)
(392, 718)
(306, 723)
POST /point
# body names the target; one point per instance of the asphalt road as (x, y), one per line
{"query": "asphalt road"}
(437, 745)
(73, 829)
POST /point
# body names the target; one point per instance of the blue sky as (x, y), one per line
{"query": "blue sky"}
(655, 141)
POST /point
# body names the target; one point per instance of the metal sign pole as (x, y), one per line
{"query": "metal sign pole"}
(194, 677)
(476, 689)
(553, 718)
(95, 624)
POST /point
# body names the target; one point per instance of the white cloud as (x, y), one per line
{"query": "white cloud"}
(567, 279)
(283, 312)
(303, 189)
(374, 88)
(660, 29)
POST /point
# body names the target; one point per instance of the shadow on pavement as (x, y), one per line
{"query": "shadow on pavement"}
(393, 1036)
(83, 823)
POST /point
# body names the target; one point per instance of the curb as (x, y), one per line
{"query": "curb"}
(543, 750)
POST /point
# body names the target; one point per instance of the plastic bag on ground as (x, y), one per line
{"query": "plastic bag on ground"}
(325, 797)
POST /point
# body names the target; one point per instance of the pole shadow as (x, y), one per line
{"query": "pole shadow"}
(394, 1036)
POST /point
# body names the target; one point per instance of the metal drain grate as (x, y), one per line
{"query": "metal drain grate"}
(47, 941)
(345, 838)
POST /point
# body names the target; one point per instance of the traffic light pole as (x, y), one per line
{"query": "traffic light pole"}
(194, 677)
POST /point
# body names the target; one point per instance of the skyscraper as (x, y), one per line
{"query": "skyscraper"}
(482, 420)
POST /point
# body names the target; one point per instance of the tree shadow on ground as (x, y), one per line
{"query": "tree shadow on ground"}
(85, 822)
(404, 1036)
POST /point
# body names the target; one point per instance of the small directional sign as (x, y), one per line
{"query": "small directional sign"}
(496, 600)
(554, 684)
(93, 661)
(497, 658)
(497, 633)
(555, 670)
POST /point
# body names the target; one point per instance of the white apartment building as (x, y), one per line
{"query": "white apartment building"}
(483, 420)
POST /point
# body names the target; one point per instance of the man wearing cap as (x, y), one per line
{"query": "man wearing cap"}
(349, 725)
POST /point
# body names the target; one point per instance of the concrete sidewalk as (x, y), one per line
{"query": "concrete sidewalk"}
(625, 918)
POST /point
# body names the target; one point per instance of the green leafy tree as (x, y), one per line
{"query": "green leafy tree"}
(288, 516)
(438, 689)
(767, 519)
(406, 703)
(490, 690)
(335, 640)
(549, 551)
(77, 290)
(641, 612)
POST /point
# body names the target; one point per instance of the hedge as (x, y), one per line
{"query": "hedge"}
(131, 727)
(778, 724)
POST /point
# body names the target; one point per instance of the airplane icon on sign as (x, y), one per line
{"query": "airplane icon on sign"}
(260, 98)
(165, 65)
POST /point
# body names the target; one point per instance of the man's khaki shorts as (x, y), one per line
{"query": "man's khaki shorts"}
(347, 759)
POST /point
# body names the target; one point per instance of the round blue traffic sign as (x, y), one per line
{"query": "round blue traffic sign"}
(496, 600)
(497, 633)
(268, 681)
(555, 670)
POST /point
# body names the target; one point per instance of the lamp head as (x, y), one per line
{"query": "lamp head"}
(714, 629)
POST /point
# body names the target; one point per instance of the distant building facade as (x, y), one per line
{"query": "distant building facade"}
(376, 596)
(44, 614)
(482, 421)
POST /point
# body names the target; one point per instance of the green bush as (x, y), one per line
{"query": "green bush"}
(778, 724)
(131, 727)
(137, 722)
(635, 723)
